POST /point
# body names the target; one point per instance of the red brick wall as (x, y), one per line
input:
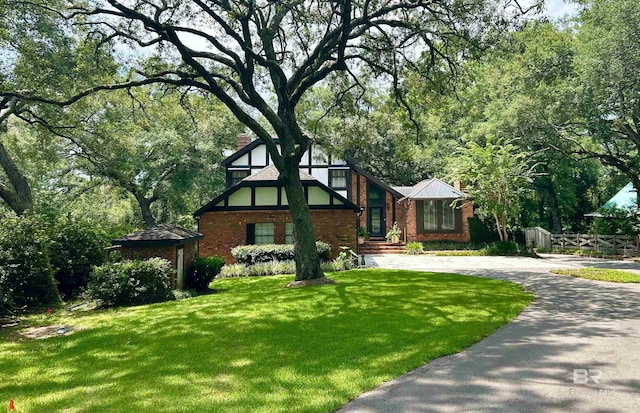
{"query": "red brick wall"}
(363, 195)
(412, 233)
(189, 254)
(224, 230)
(390, 200)
(168, 252)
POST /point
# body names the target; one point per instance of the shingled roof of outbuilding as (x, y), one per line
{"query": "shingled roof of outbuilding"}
(161, 234)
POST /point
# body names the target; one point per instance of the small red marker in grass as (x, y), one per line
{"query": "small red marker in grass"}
(12, 405)
(49, 310)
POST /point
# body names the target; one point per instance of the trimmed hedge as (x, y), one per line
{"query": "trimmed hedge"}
(131, 282)
(26, 276)
(280, 267)
(253, 254)
(202, 272)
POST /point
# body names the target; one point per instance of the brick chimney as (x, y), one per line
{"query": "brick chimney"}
(243, 140)
(459, 186)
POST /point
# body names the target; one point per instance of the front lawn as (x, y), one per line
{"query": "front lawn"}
(600, 274)
(255, 346)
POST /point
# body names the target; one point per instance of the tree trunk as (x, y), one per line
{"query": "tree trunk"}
(18, 197)
(556, 216)
(505, 234)
(498, 226)
(145, 209)
(306, 253)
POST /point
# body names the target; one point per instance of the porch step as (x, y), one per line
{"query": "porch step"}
(381, 247)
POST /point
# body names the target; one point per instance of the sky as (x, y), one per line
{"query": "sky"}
(559, 8)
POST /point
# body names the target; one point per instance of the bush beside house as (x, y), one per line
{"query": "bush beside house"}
(253, 254)
(131, 282)
(75, 249)
(26, 276)
(202, 272)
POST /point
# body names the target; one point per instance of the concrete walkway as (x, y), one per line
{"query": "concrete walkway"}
(576, 348)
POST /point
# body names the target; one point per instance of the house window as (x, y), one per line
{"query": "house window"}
(338, 178)
(235, 176)
(448, 217)
(263, 233)
(375, 194)
(438, 215)
(288, 233)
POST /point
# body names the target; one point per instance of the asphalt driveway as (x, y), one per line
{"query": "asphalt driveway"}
(576, 348)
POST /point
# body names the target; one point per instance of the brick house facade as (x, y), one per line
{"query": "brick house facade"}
(255, 210)
(228, 229)
(346, 197)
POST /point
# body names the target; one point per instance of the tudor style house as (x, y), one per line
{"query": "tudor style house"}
(341, 196)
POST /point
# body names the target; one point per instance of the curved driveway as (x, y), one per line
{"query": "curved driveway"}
(576, 348)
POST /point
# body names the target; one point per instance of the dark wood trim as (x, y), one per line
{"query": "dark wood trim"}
(253, 184)
(420, 217)
(229, 174)
(237, 155)
(160, 242)
(275, 208)
(351, 163)
(393, 208)
(358, 188)
(346, 179)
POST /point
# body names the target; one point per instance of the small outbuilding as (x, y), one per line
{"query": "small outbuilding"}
(170, 242)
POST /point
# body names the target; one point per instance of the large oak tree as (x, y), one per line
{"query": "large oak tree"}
(260, 57)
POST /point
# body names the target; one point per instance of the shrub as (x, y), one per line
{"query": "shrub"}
(131, 282)
(342, 263)
(414, 248)
(253, 254)
(202, 272)
(26, 276)
(75, 249)
(502, 248)
(6, 302)
(233, 271)
(280, 267)
(482, 231)
(271, 268)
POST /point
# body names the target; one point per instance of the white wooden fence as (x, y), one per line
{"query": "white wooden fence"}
(612, 244)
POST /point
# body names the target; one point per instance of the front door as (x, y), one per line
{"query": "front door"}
(376, 221)
(180, 268)
(375, 210)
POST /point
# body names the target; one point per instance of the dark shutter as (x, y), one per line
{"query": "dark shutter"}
(251, 234)
(420, 217)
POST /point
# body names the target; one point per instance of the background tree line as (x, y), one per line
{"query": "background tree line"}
(563, 94)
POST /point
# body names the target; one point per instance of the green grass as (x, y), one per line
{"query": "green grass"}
(467, 253)
(600, 274)
(255, 346)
